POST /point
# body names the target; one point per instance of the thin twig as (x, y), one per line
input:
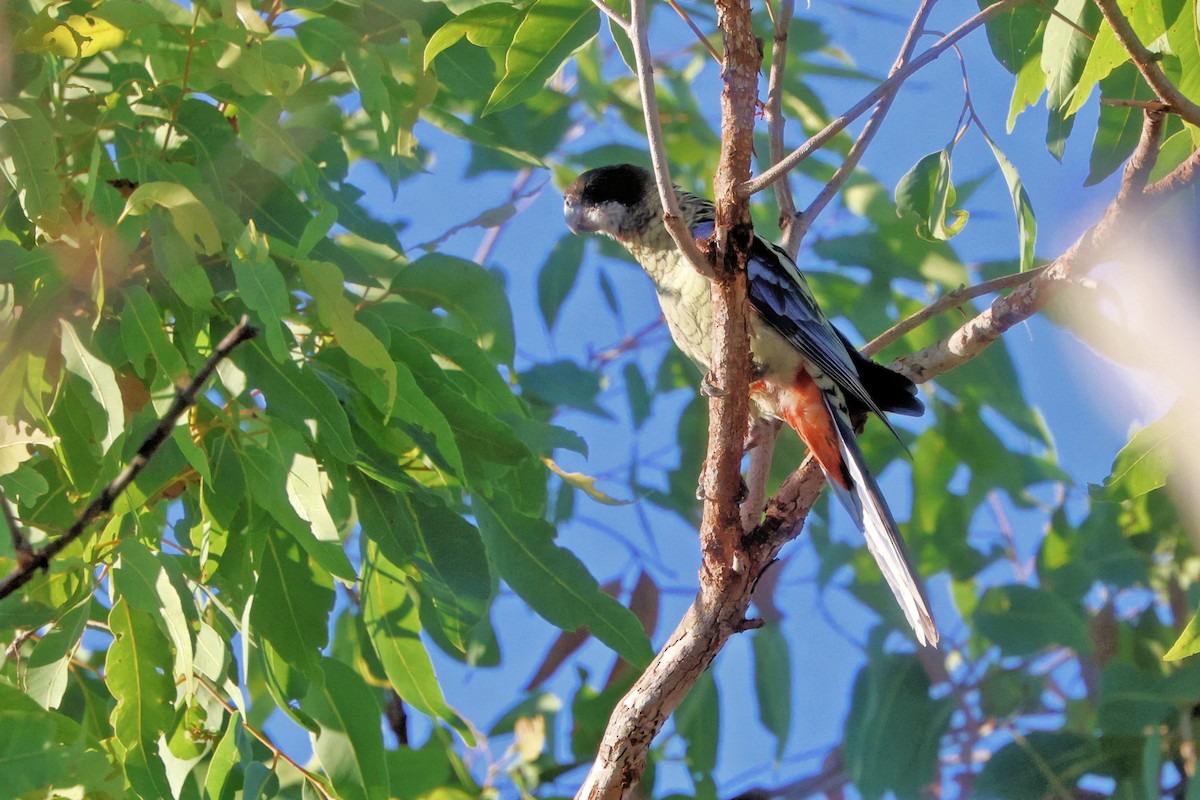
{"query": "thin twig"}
(313, 779)
(804, 220)
(614, 15)
(103, 502)
(774, 114)
(712, 51)
(835, 127)
(20, 541)
(672, 216)
(1125, 102)
(949, 300)
(1147, 63)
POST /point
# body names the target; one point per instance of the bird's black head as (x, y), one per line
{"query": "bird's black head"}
(611, 200)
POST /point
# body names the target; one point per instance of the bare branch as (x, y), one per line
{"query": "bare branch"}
(103, 503)
(1147, 63)
(804, 220)
(949, 300)
(858, 109)
(672, 216)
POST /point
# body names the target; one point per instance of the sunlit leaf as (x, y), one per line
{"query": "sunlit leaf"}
(926, 195)
(1188, 643)
(100, 378)
(550, 32)
(390, 615)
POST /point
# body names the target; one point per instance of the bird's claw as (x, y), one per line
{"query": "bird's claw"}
(709, 387)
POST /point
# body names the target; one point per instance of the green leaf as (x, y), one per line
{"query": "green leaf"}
(44, 755)
(324, 282)
(99, 376)
(176, 262)
(292, 602)
(48, 665)
(1188, 643)
(1013, 33)
(1132, 700)
(297, 396)
(1022, 208)
(1038, 764)
(773, 683)
(550, 32)
(467, 291)
(926, 195)
(1022, 620)
(1144, 464)
(553, 581)
(638, 393)
(316, 229)
(564, 383)
(143, 334)
(390, 616)
(1106, 55)
(220, 776)
(1119, 127)
(1030, 84)
(27, 138)
(350, 743)
(1065, 48)
(445, 551)
(488, 25)
(894, 729)
(557, 276)
(192, 219)
(143, 691)
(262, 288)
(141, 578)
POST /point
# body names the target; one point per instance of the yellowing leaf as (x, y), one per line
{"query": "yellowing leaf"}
(531, 737)
(80, 36)
(191, 218)
(586, 484)
(16, 437)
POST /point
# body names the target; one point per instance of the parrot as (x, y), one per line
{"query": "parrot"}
(806, 372)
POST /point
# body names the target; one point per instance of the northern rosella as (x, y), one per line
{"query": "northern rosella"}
(806, 372)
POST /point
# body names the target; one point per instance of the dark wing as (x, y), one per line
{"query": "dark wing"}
(780, 294)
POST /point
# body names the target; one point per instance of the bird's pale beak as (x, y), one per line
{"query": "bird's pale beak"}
(574, 215)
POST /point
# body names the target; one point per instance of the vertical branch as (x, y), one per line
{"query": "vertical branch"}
(729, 410)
